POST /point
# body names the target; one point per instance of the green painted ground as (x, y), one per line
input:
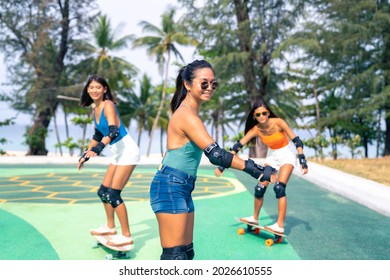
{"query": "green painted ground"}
(49, 209)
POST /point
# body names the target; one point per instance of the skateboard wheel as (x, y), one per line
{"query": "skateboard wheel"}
(95, 245)
(241, 231)
(269, 242)
(108, 257)
(280, 240)
(256, 231)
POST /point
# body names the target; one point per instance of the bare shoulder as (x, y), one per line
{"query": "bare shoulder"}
(281, 122)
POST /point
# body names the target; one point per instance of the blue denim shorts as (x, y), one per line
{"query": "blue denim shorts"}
(170, 191)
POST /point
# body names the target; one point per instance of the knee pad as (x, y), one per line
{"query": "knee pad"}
(190, 251)
(102, 193)
(280, 190)
(260, 190)
(174, 253)
(114, 197)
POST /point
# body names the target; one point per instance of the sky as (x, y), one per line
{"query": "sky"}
(126, 14)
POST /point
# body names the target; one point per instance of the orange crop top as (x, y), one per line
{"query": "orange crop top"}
(275, 141)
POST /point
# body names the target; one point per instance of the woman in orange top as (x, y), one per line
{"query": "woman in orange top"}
(274, 132)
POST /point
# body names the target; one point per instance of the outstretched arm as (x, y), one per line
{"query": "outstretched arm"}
(236, 148)
(197, 132)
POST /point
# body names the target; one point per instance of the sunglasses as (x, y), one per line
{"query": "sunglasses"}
(205, 85)
(261, 114)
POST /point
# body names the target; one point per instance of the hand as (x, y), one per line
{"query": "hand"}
(82, 159)
(218, 171)
(80, 164)
(303, 164)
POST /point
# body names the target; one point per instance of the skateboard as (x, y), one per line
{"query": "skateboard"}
(256, 229)
(121, 252)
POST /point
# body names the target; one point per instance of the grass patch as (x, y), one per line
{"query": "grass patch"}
(375, 169)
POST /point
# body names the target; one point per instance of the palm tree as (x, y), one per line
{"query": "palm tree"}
(100, 61)
(140, 107)
(162, 43)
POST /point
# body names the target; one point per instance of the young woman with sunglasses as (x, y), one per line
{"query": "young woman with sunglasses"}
(110, 130)
(187, 139)
(274, 132)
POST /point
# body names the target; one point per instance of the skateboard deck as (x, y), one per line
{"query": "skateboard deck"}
(120, 251)
(256, 229)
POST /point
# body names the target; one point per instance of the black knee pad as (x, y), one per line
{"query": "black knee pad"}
(190, 251)
(114, 197)
(260, 190)
(102, 193)
(174, 253)
(280, 190)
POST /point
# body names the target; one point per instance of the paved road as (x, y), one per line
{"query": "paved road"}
(320, 224)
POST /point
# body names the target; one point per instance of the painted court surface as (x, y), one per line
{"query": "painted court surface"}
(47, 210)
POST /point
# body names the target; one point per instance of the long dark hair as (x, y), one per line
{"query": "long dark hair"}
(187, 73)
(86, 100)
(251, 121)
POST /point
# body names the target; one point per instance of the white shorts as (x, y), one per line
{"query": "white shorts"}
(282, 156)
(125, 152)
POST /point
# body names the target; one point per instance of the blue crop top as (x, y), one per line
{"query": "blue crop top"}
(186, 158)
(102, 126)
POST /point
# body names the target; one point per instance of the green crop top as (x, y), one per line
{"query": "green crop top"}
(186, 158)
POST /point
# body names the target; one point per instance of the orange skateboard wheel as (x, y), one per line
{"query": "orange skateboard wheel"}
(241, 231)
(269, 242)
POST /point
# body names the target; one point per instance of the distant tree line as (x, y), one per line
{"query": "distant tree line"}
(323, 66)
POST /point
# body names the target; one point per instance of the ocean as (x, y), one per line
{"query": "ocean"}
(16, 140)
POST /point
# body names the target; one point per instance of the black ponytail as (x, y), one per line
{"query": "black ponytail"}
(186, 73)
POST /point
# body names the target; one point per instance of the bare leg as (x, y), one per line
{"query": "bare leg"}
(284, 176)
(258, 205)
(116, 177)
(175, 229)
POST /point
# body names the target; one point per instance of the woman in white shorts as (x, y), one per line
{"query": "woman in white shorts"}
(109, 130)
(274, 132)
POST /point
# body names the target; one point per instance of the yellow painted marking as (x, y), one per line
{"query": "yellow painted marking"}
(95, 189)
(206, 189)
(50, 174)
(77, 183)
(14, 178)
(95, 175)
(24, 183)
(64, 178)
(52, 195)
(37, 188)
(138, 176)
(73, 201)
(205, 180)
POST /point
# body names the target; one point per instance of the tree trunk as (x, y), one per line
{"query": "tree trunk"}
(250, 77)
(387, 139)
(37, 133)
(160, 108)
(259, 150)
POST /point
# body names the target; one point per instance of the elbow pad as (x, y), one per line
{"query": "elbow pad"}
(236, 147)
(261, 173)
(298, 142)
(218, 156)
(98, 136)
(113, 132)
